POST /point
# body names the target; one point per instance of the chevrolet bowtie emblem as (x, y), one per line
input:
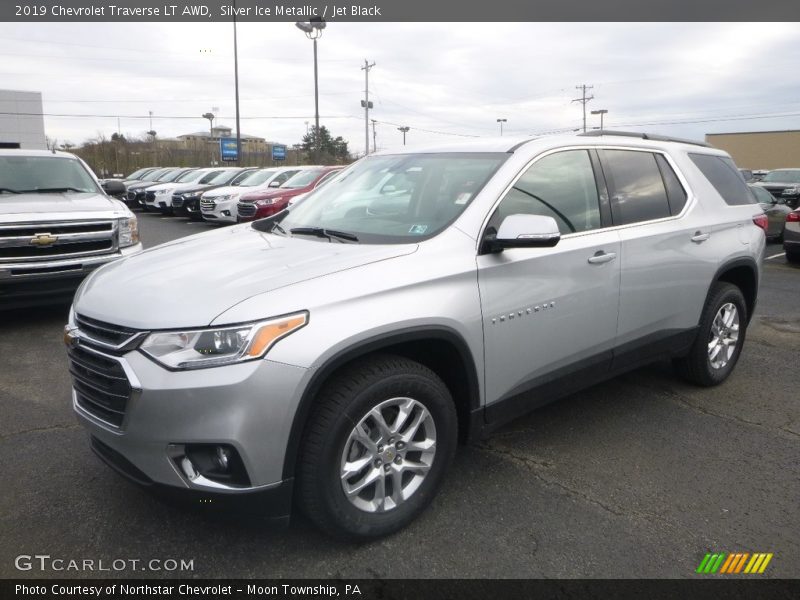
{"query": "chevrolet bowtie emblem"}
(44, 239)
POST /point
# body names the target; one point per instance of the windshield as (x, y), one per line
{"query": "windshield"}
(761, 194)
(302, 179)
(209, 177)
(189, 177)
(170, 176)
(44, 174)
(258, 177)
(785, 176)
(240, 177)
(224, 177)
(139, 173)
(396, 199)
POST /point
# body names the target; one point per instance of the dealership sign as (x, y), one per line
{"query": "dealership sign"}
(228, 149)
(278, 152)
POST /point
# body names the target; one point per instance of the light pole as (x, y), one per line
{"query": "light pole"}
(405, 131)
(210, 117)
(501, 121)
(600, 112)
(313, 30)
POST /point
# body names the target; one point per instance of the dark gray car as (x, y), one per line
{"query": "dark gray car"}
(775, 209)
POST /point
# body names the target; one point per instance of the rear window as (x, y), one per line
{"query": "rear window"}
(722, 173)
(638, 187)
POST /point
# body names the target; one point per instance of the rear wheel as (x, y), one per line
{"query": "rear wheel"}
(376, 448)
(720, 337)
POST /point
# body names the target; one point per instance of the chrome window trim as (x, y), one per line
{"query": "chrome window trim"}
(691, 199)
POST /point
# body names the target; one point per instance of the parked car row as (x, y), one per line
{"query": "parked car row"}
(222, 194)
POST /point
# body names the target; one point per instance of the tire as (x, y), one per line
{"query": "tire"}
(706, 365)
(331, 441)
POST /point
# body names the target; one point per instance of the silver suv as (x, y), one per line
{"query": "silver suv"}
(337, 352)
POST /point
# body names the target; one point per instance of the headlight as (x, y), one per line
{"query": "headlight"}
(161, 192)
(128, 231)
(202, 348)
(791, 191)
(268, 201)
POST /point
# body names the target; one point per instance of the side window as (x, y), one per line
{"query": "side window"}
(675, 192)
(725, 177)
(562, 186)
(638, 192)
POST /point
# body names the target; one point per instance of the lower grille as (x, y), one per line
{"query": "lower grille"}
(177, 201)
(246, 209)
(101, 387)
(150, 196)
(131, 195)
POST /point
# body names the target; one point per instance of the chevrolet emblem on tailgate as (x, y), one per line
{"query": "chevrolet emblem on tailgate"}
(44, 239)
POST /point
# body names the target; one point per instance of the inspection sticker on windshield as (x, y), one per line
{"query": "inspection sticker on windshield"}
(463, 198)
(418, 229)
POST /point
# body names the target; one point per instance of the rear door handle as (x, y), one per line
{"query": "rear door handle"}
(601, 257)
(699, 237)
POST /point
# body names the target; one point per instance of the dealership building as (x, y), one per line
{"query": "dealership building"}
(21, 120)
(760, 149)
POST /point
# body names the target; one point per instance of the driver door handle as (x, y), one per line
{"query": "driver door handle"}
(699, 237)
(601, 256)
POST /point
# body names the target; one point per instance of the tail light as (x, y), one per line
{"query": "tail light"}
(761, 221)
(793, 217)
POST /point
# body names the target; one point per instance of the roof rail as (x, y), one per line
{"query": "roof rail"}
(644, 136)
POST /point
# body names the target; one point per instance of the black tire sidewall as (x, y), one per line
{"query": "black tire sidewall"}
(436, 399)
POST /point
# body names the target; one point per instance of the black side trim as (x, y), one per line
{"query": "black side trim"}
(585, 373)
(370, 345)
(542, 390)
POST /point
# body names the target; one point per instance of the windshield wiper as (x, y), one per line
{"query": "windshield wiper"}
(9, 190)
(324, 233)
(56, 189)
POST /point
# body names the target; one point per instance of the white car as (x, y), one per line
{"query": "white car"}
(159, 197)
(219, 205)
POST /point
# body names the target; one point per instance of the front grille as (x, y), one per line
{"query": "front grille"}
(150, 196)
(131, 195)
(177, 201)
(246, 209)
(106, 333)
(101, 387)
(206, 204)
(41, 241)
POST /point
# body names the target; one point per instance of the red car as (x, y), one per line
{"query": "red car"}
(264, 203)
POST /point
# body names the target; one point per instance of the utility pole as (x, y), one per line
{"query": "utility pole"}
(583, 100)
(236, 91)
(367, 105)
(374, 137)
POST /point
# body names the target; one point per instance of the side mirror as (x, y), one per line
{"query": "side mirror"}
(113, 187)
(526, 231)
(274, 184)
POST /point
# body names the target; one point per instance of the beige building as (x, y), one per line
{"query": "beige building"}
(760, 149)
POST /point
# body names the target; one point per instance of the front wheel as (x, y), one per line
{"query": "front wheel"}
(376, 448)
(720, 337)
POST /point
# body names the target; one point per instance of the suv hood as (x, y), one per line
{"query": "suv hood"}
(229, 189)
(50, 203)
(189, 282)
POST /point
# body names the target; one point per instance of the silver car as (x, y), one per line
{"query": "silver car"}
(337, 352)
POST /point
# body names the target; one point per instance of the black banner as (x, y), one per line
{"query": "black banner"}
(397, 10)
(399, 589)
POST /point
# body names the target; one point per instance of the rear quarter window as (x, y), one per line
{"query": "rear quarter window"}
(721, 172)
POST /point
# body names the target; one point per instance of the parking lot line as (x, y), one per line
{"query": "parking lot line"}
(775, 256)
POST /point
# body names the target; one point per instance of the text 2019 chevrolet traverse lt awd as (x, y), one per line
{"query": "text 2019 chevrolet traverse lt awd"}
(336, 352)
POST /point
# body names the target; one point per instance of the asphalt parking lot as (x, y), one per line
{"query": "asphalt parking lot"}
(637, 477)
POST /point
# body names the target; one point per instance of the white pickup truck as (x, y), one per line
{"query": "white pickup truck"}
(57, 223)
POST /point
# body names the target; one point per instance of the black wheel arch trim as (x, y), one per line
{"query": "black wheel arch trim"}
(741, 261)
(363, 348)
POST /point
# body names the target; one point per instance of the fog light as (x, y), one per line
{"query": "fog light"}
(219, 463)
(223, 458)
(227, 213)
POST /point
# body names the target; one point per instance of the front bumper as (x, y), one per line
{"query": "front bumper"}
(222, 212)
(52, 281)
(248, 406)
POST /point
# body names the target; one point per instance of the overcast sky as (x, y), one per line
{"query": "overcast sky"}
(444, 78)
